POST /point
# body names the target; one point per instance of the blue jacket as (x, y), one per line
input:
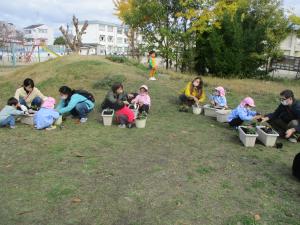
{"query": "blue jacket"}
(45, 118)
(9, 111)
(75, 99)
(219, 100)
(242, 113)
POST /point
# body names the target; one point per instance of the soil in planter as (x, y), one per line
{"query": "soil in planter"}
(249, 130)
(108, 112)
(268, 130)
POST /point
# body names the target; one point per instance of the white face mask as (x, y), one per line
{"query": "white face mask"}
(284, 102)
(63, 97)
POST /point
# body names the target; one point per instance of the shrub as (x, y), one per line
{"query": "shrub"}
(108, 81)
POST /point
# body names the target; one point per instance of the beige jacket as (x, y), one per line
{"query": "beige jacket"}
(21, 93)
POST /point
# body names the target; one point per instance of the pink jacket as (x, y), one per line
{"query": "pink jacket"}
(145, 99)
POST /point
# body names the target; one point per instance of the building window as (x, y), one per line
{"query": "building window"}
(125, 40)
(120, 30)
(102, 38)
(101, 27)
(120, 40)
(110, 39)
(43, 31)
(110, 28)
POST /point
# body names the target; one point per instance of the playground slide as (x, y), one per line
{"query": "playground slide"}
(49, 50)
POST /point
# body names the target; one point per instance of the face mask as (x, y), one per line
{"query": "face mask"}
(63, 97)
(216, 93)
(284, 102)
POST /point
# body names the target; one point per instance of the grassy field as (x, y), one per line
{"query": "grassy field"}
(182, 169)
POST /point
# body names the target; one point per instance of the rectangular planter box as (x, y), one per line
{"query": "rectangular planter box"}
(27, 120)
(267, 139)
(210, 111)
(197, 110)
(222, 115)
(247, 139)
(107, 119)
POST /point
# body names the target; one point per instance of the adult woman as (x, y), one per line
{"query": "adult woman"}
(193, 93)
(116, 97)
(75, 103)
(29, 96)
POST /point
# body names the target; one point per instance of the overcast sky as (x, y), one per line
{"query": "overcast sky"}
(57, 12)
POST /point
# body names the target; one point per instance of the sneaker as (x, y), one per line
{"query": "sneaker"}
(152, 78)
(83, 120)
(129, 125)
(51, 128)
(122, 126)
(292, 140)
(12, 127)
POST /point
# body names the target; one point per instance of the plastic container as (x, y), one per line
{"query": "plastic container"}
(222, 115)
(27, 119)
(247, 139)
(268, 140)
(107, 118)
(210, 111)
(197, 109)
(58, 122)
(140, 123)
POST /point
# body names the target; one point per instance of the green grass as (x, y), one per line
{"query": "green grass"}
(181, 169)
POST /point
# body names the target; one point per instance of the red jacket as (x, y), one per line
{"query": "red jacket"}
(127, 112)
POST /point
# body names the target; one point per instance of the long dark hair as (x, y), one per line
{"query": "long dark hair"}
(199, 88)
(28, 82)
(66, 91)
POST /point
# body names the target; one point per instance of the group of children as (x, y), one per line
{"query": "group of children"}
(45, 115)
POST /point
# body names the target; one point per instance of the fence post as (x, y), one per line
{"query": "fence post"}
(13, 54)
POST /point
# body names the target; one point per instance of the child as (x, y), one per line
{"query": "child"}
(46, 116)
(152, 65)
(125, 116)
(143, 99)
(218, 99)
(243, 113)
(9, 111)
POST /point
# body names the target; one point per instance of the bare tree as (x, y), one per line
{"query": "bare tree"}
(74, 42)
(9, 34)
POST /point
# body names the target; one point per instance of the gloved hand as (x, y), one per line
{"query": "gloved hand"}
(23, 108)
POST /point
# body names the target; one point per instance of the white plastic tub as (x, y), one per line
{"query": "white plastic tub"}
(140, 123)
(107, 119)
(247, 139)
(28, 119)
(222, 115)
(267, 139)
(210, 111)
(197, 109)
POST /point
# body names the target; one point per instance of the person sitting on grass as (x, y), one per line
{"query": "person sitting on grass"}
(9, 111)
(29, 96)
(75, 103)
(115, 98)
(124, 116)
(243, 113)
(143, 99)
(286, 118)
(192, 94)
(46, 116)
(218, 99)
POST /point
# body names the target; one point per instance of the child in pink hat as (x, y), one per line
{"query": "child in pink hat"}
(218, 99)
(243, 113)
(143, 99)
(46, 116)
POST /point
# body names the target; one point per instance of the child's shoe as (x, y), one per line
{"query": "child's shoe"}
(51, 128)
(12, 127)
(83, 120)
(122, 126)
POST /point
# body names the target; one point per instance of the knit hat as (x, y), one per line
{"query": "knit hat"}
(221, 91)
(49, 103)
(248, 101)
